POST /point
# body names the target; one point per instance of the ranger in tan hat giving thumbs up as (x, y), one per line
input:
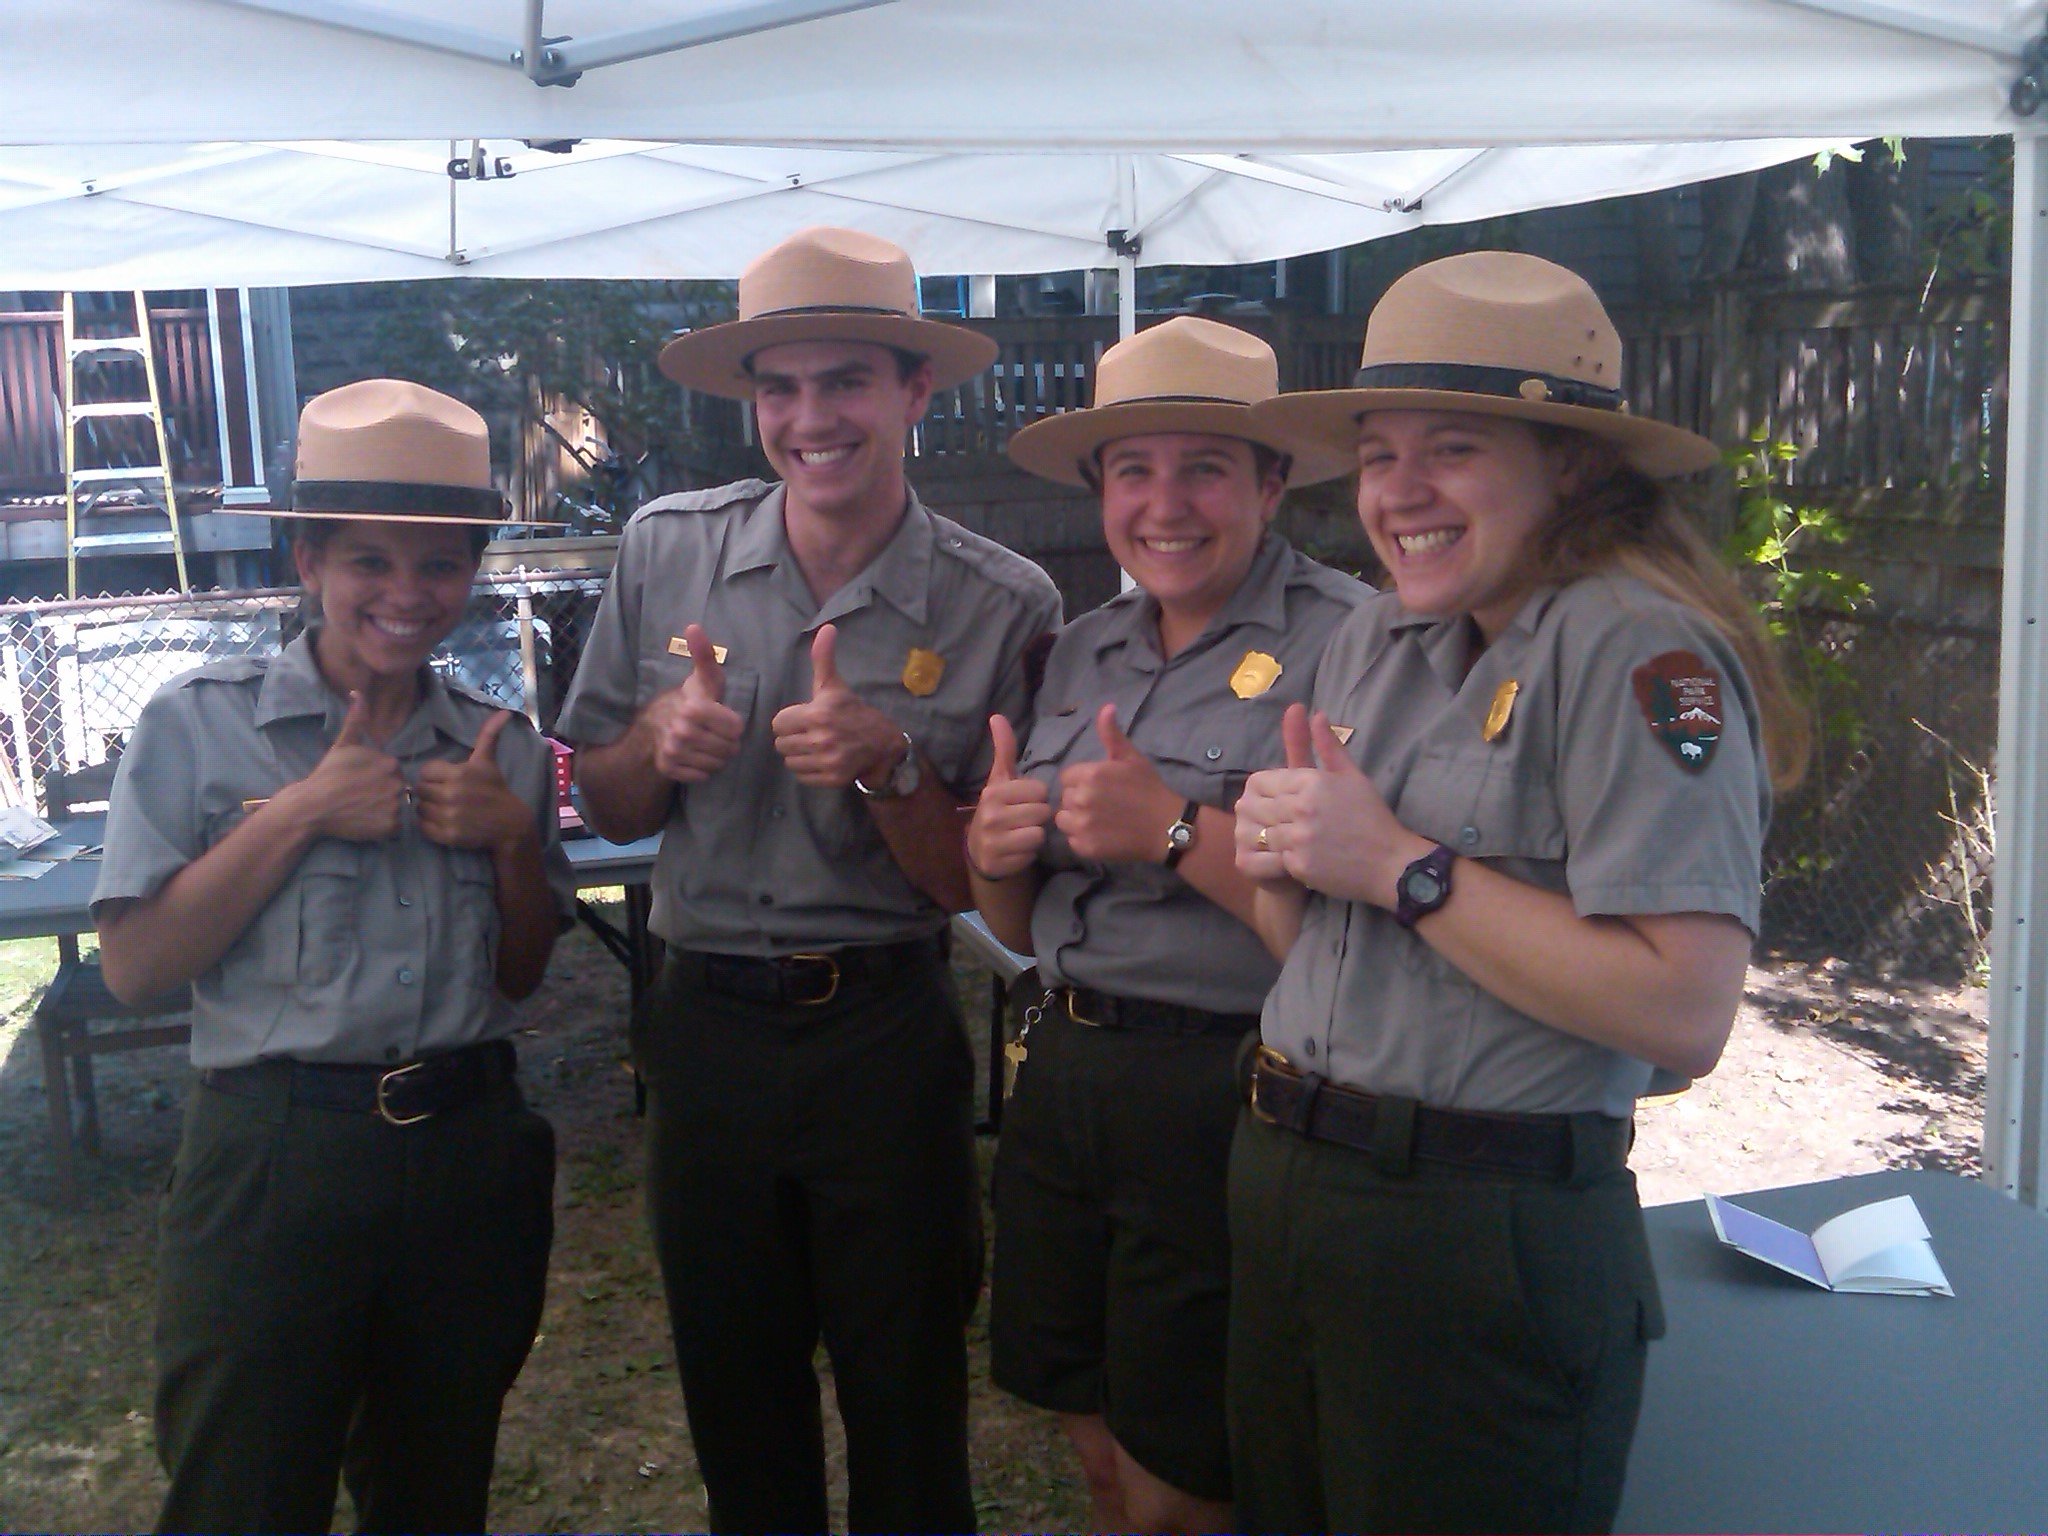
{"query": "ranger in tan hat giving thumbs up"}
(792, 683)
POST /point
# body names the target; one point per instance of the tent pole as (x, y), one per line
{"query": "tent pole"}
(2016, 1061)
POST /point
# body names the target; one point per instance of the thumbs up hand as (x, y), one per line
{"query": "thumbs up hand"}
(694, 733)
(1321, 820)
(836, 736)
(1116, 810)
(469, 804)
(355, 791)
(1009, 822)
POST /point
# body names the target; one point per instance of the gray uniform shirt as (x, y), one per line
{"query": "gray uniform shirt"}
(1140, 930)
(1582, 790)
(369, 952)
(933, 634)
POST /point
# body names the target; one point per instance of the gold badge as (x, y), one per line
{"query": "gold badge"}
(1503, 706)
(1254, 675)
(678, 646)
(1343, 734)
(922, 670)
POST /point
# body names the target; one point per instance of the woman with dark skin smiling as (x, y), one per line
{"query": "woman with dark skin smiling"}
(356, 868)
(1104, 848)
(1513, 865)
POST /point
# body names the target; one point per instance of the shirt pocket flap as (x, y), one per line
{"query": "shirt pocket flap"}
(1483, 808)
(666, 672)
(1052, 739)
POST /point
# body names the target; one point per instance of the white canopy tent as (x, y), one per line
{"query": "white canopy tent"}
(1062, 128)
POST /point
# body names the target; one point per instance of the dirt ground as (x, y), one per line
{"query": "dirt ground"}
(1828, 1073)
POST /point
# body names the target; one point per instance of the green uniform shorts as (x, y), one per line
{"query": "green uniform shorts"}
(1111, 1288)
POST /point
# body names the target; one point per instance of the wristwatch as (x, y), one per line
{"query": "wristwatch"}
(1424, 886)
(903, 778)
(1180, 837)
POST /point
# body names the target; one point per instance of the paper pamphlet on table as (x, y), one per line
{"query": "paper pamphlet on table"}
(1883, 1248)
(27, 849)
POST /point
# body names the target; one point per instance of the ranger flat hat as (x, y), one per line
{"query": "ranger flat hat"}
(1186, 375)
(1495, 333)
(388, 451)
(824, 284)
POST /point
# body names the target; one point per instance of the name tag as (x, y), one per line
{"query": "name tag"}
(678, 646)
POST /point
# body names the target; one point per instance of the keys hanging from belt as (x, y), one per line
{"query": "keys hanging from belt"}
(1014, 1051)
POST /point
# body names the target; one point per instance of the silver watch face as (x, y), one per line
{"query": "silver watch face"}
(1180, 834)
(1422, 886)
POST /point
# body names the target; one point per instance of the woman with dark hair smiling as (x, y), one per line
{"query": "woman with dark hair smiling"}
(1513, 867)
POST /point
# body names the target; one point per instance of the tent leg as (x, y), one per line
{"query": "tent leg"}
(2016, 1066)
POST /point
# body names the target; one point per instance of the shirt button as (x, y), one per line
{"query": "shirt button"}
(1213, 753)
(405, 975)
(1468, 836)
(776, 812)
(405, 901)
(391, 1053)
(765, 899)
(1308, 1048)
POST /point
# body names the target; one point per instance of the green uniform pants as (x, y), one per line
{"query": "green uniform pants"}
(811, 1175)
(326, 1279)
(1435, 1350)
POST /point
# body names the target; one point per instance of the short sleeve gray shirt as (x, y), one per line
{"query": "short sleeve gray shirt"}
(369, 952)
(934, 634)
(1207, 718)
(1580, 790)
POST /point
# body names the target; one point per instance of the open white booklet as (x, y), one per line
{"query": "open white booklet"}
(1883, 1248)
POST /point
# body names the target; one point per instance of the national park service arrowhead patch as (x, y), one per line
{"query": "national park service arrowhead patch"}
(1680, 696)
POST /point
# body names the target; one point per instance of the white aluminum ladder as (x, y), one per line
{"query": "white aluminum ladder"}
(95, 479)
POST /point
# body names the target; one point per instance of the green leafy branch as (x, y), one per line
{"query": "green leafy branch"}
(1783, 544)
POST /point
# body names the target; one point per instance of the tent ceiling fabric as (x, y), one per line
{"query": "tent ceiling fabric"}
(117, 216)
(1187, 76)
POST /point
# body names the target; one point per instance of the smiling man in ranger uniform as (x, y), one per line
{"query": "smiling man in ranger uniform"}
(792, 684)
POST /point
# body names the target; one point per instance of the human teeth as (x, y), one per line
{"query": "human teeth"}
(1429, 543)
(821, 455)
(400, 630)
(1172, 546)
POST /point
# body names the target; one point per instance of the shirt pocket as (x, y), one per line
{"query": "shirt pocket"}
(665, 672)
(329, 912)
(1050, 746)
(949, 741)
(473, 922)
(1482, 806)
(1220, 748)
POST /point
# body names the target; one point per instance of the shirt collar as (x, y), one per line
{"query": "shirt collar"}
(901, 573)
(1261, 599)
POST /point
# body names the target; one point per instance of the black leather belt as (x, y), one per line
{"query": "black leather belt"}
(1396, 1130)
(1101, 1010)
(403, 1095)
(806, 980)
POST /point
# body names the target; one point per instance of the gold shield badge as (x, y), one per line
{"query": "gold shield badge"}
(1254, 675)
(1502, 707)
(678, 646)
(922, 670)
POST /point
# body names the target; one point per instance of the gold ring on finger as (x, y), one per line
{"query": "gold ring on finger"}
(1263, 845)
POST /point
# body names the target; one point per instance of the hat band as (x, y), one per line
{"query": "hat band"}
(1111, 405)
(396, 496)
(835, 309)
(1478, 379)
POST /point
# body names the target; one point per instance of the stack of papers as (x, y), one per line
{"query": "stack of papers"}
(1883, 1248)
(29, 846)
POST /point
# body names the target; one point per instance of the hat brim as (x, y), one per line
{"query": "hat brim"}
(1328, 418)
(1064, 447)
(388, 517)
(713, 361)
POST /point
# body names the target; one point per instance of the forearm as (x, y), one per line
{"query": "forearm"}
(527, 921)
(1277, 910)
(1210, 865)
(1662, 989)
(926, 839)
(1006, 905)
(167, 940)
(623, 792)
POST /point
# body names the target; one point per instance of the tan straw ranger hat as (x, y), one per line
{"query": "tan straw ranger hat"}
(824, 285)
(1186, 375)
(1499, 334)
(383, 450)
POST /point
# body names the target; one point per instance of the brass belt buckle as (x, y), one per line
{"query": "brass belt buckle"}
(831, 991)
(1076, 1015)
(1266, 1056)
(384, 1106)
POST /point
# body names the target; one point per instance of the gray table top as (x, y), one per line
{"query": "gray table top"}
(1775, 1406)
(58, 902)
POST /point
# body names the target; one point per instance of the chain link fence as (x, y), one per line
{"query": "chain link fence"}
(75, 675)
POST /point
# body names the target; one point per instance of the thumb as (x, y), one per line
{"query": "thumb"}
(705, 668)
(1295, 733)
(1114, 741)
(355, 725)
(486, 748)
(825, 660)
(1330, 753)
(1004, 767)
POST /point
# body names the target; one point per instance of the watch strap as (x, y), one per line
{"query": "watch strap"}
(1424, 886)
(902, 779)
